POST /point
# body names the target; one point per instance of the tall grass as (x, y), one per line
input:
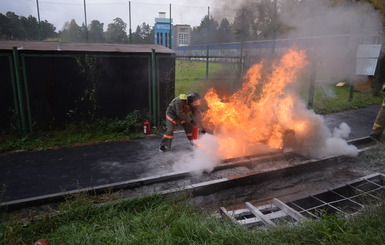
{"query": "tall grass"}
(155, 220)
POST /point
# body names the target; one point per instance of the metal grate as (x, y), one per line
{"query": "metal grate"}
(345, 199)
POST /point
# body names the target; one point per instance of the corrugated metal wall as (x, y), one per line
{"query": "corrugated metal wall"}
(60, 87)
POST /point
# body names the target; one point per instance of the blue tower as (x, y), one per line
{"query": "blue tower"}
(163, 31)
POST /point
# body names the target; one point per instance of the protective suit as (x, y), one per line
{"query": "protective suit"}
(179, 110)
(379, 123)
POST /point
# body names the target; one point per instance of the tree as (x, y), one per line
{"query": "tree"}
(225, 33)
(243, 24)
(256, 20)
(143, 34)
(95, 31)
(71, 32)
(47, 30)
(116, 31)
(31, 27)
(13, 27)
(4, 27)
(377, 4)
(206, 33)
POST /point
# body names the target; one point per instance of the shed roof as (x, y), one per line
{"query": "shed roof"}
(83, 47)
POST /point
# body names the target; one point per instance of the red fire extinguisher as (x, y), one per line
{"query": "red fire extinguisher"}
(146, 127)
(195, 131)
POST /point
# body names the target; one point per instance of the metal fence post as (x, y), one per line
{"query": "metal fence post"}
(207, 48)
(129, 20)
(154, 91)
(28, 106)
(312, 86)
(16, 66)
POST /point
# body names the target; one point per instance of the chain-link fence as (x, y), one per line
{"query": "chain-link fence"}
(198, 73)
(222, 67)
(207, 67)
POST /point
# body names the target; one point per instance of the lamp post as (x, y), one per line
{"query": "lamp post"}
(85, 20)
(38, 17)
(129, 20)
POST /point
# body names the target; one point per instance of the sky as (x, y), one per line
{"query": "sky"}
(58, 12)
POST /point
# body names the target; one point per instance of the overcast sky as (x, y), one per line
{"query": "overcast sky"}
(58, 12)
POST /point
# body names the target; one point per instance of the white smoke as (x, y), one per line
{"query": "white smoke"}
(318, 140)
(333, 31)
(342, 132)
(204, 157)
(334, 58)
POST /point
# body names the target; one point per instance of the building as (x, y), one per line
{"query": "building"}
(163, 31)
(182, 35)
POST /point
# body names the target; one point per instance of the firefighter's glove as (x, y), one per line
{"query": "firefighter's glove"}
(203, 131)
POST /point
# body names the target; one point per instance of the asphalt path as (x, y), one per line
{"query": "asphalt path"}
(29, 174)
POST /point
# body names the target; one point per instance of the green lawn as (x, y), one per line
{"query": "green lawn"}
(190, 75)
(324, 104)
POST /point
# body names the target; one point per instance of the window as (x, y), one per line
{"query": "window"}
(183, 38)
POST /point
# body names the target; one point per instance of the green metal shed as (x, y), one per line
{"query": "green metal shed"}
(47, 83)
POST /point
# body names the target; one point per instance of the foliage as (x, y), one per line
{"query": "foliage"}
(95, 31)
(261, 20)
(143, 34)
(76, 134)
(254, 20)
(71, 32)
(207, 29)
(86, 104)
(14, 27)
(156, 220)
(116, 31)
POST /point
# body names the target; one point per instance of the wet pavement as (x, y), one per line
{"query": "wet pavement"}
(29, 174)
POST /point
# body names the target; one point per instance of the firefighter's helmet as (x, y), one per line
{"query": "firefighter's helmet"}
(192, 97)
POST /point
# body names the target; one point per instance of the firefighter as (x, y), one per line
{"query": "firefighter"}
(178, 111)
(379, 123)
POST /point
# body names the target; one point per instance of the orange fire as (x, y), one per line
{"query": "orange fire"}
(260, 112)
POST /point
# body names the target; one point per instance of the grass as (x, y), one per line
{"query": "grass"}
(156, 220)
(191, 75)
(76, 134)
(339, 101)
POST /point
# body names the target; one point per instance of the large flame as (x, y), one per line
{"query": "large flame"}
(261, 111)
